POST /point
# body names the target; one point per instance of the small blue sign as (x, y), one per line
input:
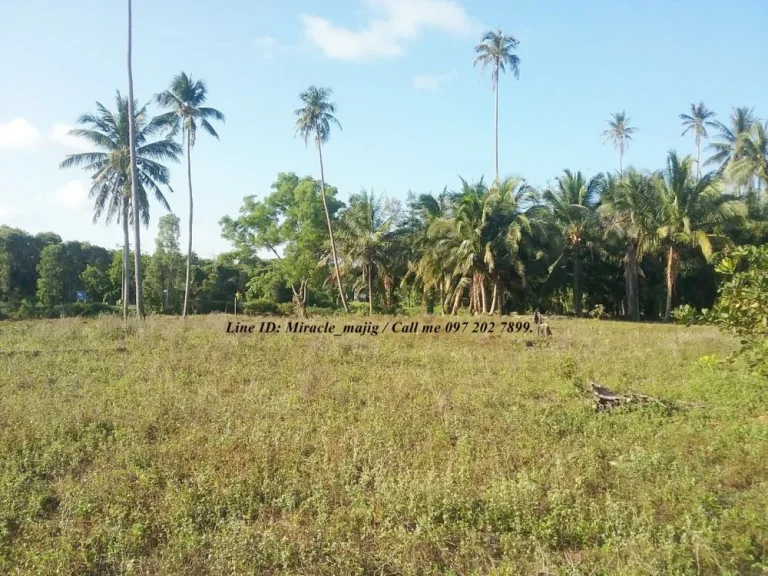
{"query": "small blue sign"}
(81, 295)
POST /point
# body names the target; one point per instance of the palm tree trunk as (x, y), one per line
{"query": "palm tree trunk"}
(577, 284)
(134, 176)
(633, 302)
(330, 229)
(493, 299)
(698, 156)
(126, 257)
(672, 260)
(457, 300)
(442, 300)
(496, 121)
(189, 241)
(483, 294)
(370, 291)
(499, 295)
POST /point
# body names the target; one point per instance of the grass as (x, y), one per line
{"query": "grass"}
(160, 450)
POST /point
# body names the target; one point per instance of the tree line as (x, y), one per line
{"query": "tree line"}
(629, 243)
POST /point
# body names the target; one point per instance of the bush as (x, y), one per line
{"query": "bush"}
(742, 304)
(686, 315)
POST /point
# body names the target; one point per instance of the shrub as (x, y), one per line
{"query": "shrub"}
(742, 304)
(685, 314)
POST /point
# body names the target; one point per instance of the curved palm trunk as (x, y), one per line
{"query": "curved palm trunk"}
(134, 177)
(577, 284)
(330, 229)
(189, 242)
(672, 261)
(633, 301)
(126, 258)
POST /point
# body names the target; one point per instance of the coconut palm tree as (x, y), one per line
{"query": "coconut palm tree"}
(697, 122)
(111, 167)
(692, 211)
(134, 175)
(507, 217)
(726, 149)
(630, 210)
(185, 98)
(314, 120)
(496, 52)
(572, 208)
(619, 134)
(364, 239)
(751, 168)
(427, 268)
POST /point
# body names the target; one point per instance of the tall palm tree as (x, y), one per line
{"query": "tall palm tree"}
(496, 51)
(314, 120)
(751, 168)
(629, 207)
(364, 239)
(692, 210)
(727, 147)
(572, 212)
(185, 98)
(111, 166)
(134, 176)
(619, 134)
(697, 122)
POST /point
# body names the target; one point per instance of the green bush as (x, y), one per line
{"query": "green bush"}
(686, 315)
(742, 305)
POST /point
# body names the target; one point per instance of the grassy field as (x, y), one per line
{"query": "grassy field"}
(160, 450)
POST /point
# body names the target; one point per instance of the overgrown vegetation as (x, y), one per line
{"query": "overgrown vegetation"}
(150, 449)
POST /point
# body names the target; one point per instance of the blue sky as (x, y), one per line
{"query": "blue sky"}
(415, 113)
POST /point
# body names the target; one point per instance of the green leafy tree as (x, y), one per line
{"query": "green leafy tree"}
(164, 271)
(693, 212)
(619, 133)
(110, 167)
(289, 223)
(497, 52)
(185, 98)
(314, 121)
(97, 283)
(697, 122)
(572, 216)
(52, 275)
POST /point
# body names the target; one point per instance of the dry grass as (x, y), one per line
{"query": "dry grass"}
(160, 450)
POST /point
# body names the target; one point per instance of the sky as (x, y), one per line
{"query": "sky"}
(415, 113)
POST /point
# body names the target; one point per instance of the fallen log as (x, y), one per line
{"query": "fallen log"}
(605, 399)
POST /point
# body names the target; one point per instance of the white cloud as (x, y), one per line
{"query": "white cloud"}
(17, 133)
(432, 82)
(59, 135)
(397, 23)
(267, 45)
(74, 194)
